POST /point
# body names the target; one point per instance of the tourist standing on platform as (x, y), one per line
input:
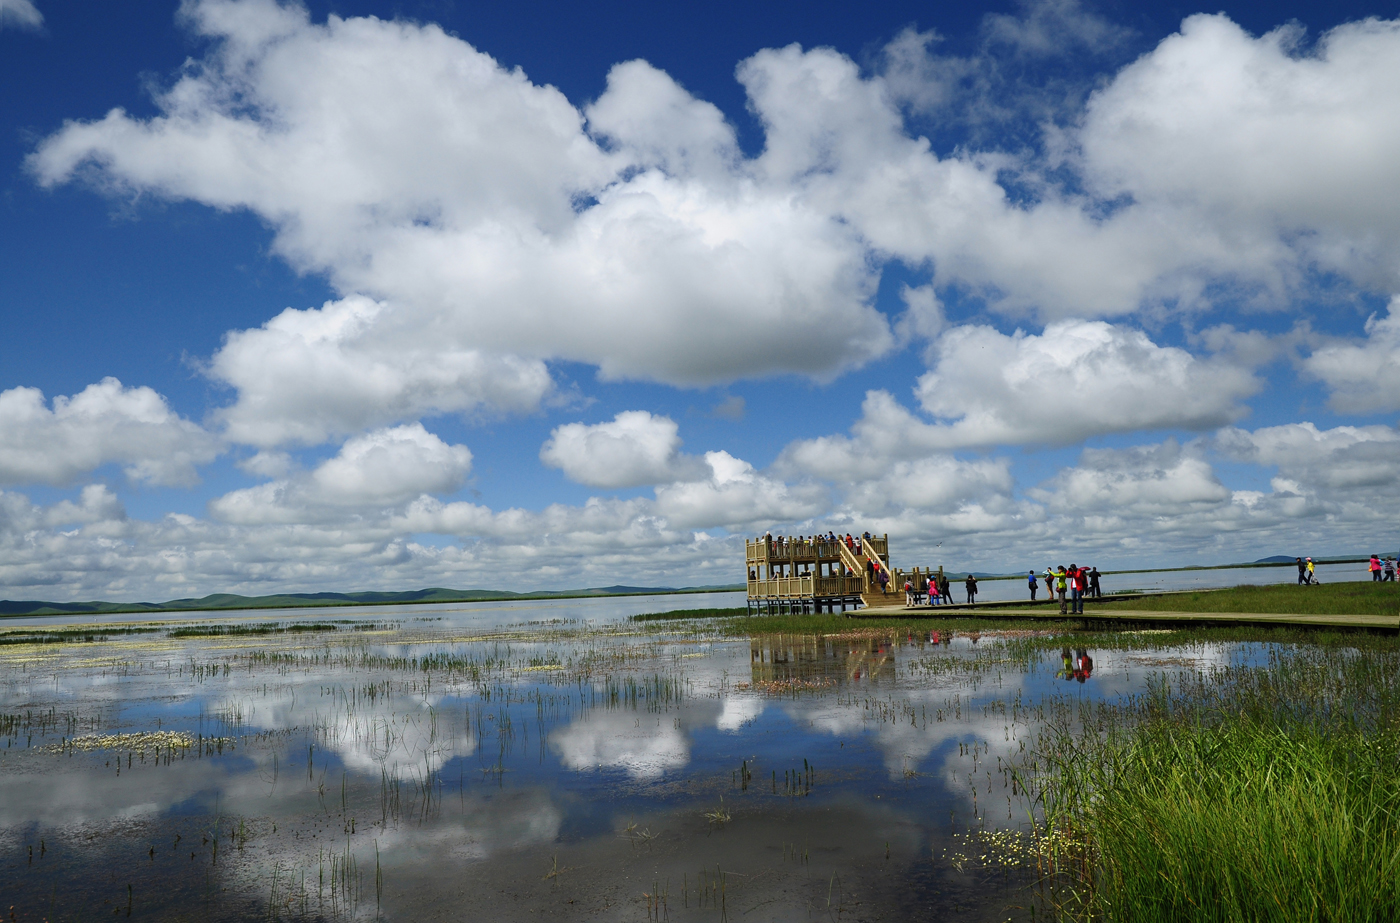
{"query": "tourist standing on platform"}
(1061, 587)
(971, 584)
(908, 594)
(1032, 583)
(1081, 586)
(1050, 584)
(1094, 589)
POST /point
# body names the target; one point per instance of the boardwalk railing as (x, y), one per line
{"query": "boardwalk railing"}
(806, 587)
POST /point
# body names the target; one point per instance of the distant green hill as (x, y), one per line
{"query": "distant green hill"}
(368, 598)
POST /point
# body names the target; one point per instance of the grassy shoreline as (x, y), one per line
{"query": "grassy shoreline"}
(1350, 598)
(1245, 792)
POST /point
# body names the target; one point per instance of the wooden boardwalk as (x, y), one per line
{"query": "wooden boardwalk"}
(1127, 619)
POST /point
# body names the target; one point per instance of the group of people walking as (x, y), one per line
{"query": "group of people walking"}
(933, 590)
(1382, 571)
(1071, 584)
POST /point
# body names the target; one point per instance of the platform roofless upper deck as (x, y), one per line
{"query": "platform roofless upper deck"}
(787, 549)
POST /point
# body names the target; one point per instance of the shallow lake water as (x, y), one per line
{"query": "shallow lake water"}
(404, 766)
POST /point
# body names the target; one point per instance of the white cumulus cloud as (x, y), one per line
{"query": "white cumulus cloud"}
(409, 166)
(1283, 152)
(633, 449)
(1161, 480)
(1364, 377)
(105, 423)
(309, 375)
(20, 13)
(1365, 459)
(1076, 379)
(380, 468)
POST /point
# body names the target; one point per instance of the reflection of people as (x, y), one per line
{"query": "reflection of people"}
(1068, 672)
(1032, 583)
(1084, 666)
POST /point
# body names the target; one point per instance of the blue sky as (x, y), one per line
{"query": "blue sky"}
(362, 296)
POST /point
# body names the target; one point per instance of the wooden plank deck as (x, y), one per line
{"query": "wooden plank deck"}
(1130, 618)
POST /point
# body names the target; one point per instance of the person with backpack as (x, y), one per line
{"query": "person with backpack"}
(1032, 583)
(1049, 583)
(971, 584)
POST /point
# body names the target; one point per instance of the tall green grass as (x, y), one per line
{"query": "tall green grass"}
(1236, 823)
(1266, 792)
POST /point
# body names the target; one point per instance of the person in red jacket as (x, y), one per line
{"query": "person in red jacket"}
(1078, 583)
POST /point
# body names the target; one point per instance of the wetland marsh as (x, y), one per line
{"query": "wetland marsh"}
(419, 765)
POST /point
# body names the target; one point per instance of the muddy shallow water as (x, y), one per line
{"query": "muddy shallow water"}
(412, 769)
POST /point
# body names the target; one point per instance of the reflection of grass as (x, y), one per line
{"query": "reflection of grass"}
(263, 628)
(82, 634)
(1360, 598)
(1245, 793)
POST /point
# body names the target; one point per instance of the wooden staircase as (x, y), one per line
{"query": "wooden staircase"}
(870, 589)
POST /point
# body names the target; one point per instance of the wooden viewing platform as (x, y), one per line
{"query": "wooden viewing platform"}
(815, 574)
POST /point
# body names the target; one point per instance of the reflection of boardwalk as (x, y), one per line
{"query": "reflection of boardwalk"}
(813, 660)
